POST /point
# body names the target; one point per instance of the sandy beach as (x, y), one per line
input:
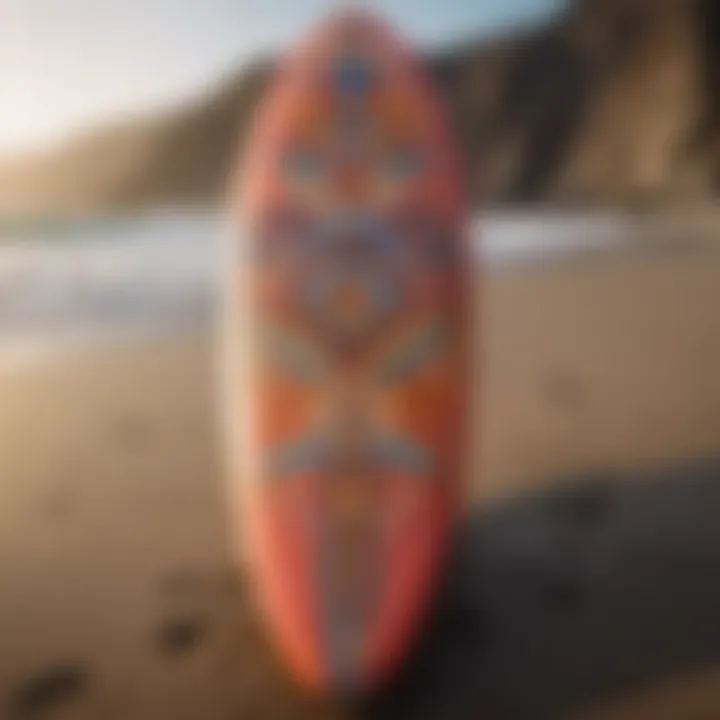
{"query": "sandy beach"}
(116, 599)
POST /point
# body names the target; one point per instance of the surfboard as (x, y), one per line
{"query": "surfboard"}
(347, 352)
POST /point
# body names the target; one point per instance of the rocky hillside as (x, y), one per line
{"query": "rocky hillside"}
(613, 102)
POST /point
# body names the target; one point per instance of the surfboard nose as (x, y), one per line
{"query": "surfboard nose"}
(353, 21)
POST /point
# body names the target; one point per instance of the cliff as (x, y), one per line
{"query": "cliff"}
(612, 102)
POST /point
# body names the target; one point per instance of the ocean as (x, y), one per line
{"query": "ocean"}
(68, 286)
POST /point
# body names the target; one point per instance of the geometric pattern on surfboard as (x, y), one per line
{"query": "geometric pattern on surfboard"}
(358, 341)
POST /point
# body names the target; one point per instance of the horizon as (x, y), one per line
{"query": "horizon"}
(164, 53)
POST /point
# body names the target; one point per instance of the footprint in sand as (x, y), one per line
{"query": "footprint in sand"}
(48, 690)
(180, 635)
(191, 596)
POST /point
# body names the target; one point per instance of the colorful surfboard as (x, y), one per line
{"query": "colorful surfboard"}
(348, 352)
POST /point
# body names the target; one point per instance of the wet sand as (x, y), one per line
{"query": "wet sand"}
(116, 598)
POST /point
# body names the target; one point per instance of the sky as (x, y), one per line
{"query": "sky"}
(70, 64)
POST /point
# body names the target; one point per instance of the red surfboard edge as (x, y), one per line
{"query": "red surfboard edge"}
(348, 353)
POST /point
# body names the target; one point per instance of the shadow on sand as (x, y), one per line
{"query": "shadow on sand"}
(570, 597)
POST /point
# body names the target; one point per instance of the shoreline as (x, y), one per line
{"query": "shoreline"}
(193, 309)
